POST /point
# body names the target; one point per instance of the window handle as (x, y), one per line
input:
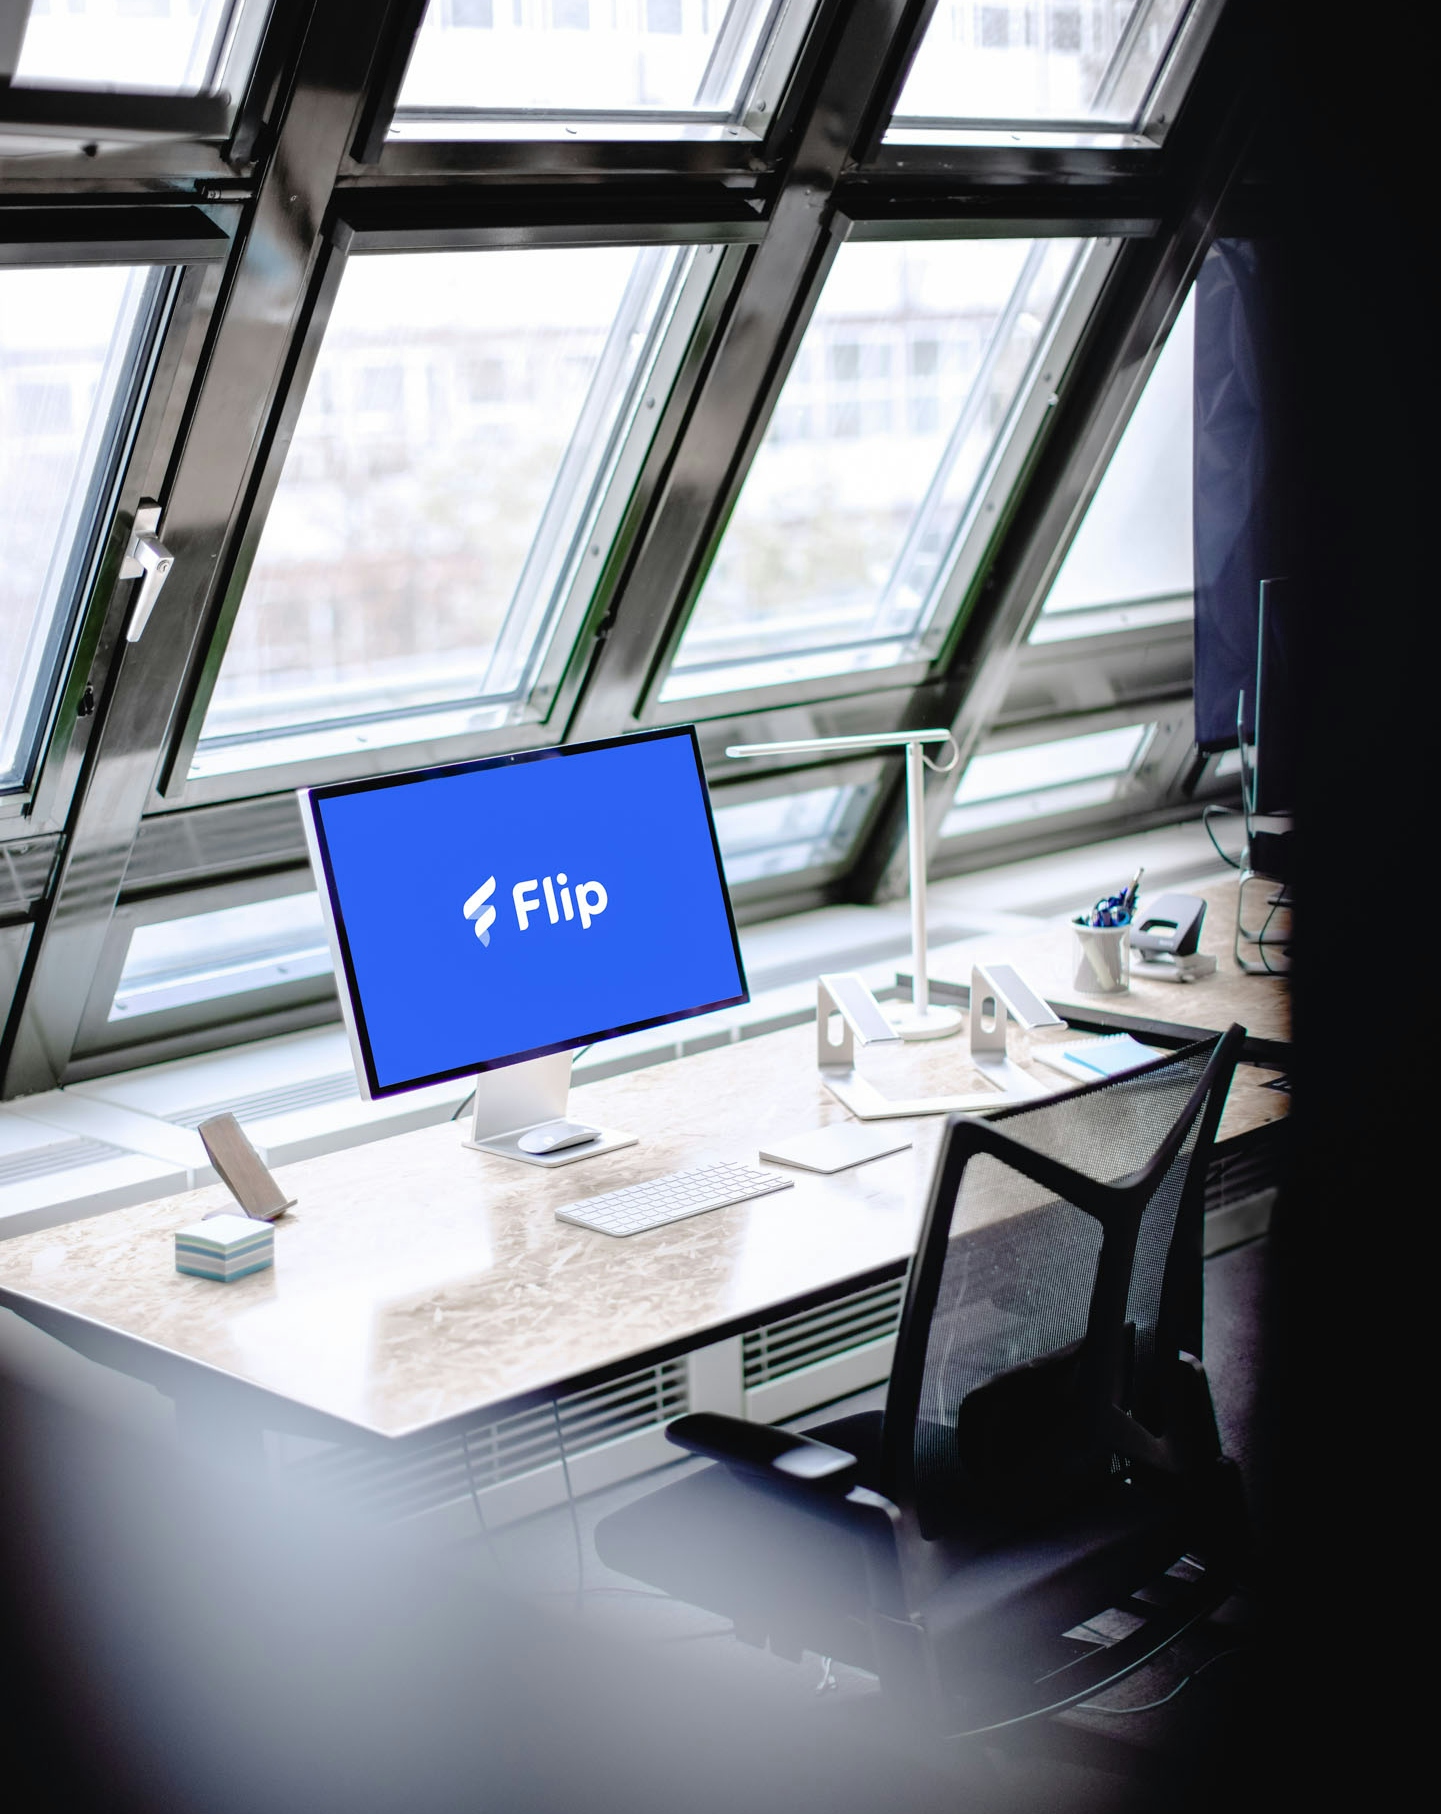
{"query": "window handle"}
(148, 560)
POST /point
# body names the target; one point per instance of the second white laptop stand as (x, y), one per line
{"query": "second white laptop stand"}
(843, 996)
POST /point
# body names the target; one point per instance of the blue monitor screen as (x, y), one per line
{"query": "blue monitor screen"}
(504, 909)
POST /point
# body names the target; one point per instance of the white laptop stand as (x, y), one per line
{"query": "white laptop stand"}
(845, 997)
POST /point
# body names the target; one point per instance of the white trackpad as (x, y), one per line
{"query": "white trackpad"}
(833, 1149)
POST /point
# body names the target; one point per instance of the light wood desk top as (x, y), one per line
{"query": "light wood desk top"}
(1262, 1004)
(418, 1282)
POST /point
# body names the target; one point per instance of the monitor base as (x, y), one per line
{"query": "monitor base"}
(519, 1097)
(607, 1140)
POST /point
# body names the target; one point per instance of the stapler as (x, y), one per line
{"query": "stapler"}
(1166, 938)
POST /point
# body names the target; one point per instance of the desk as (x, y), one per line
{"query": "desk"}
(1153, 1007)
(419, 1286)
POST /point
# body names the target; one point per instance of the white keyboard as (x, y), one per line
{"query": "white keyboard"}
(637, 1207)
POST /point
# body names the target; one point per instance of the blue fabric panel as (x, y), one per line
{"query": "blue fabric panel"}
(1236, 506)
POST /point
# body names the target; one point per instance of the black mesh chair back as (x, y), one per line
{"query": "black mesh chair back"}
(1056, 1286)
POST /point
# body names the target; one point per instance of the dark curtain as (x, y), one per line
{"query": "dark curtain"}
(1237, 506)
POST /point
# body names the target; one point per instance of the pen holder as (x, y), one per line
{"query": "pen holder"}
(1103, 959)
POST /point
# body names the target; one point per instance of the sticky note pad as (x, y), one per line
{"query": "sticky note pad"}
(224, 1248)
(1109, 1057)
(1088, 1060)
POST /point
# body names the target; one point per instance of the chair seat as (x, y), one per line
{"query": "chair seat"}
(1014, 1597)
(993, 1600)
(780, 1571)
(993, 1563)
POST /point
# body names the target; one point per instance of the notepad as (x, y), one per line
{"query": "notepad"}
(224, 1247)
(1090, 1059)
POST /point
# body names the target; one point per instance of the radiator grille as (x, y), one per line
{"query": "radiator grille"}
(64, 1156)
(308, 1093)
(816, 1335)
(434, 1473)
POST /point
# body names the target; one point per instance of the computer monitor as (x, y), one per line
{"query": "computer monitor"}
(495, 915)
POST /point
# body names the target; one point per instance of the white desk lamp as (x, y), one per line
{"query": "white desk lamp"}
(923, 1019)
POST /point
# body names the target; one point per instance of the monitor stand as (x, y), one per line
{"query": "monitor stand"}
(518, 1099)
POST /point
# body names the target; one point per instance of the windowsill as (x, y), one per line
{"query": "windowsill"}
(441, 128)
(782, 670)
(316, 743)
(971, 135)
(1109, 620)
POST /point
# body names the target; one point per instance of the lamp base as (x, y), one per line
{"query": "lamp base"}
(930, 1022)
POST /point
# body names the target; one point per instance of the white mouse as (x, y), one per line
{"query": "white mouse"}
(555, 1136)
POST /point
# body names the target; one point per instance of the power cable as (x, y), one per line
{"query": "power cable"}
(1185, 1681)
(1225, 857)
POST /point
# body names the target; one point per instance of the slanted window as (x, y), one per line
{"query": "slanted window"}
(1130, 565)
(687, 60)
(169, 46)
(784, 834)
(664, 16)
(232, 951)
(69, 345)
(878, 483)
(1050, 63)
(448, 497)
(1042, 780)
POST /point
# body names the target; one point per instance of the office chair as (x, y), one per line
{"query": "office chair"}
(1043, 1504)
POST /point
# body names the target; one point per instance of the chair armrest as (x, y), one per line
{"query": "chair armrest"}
(757, 1448)
(826, 1477)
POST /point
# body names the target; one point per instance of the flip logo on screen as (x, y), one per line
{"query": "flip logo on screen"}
(591, 900)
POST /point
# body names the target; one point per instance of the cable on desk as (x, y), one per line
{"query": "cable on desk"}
(1185, 1681)
(1261, 941)
(1234, 862)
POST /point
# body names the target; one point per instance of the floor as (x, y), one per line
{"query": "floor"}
(1164, 1738)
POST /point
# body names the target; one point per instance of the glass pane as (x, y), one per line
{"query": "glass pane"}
(790, 832)
(900, 393)
(458, 430)
(66, 344)
(1038, 61)
(1131, 561)
(1042, 779)
(203, 956)
(168, 45)
(669, 56)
